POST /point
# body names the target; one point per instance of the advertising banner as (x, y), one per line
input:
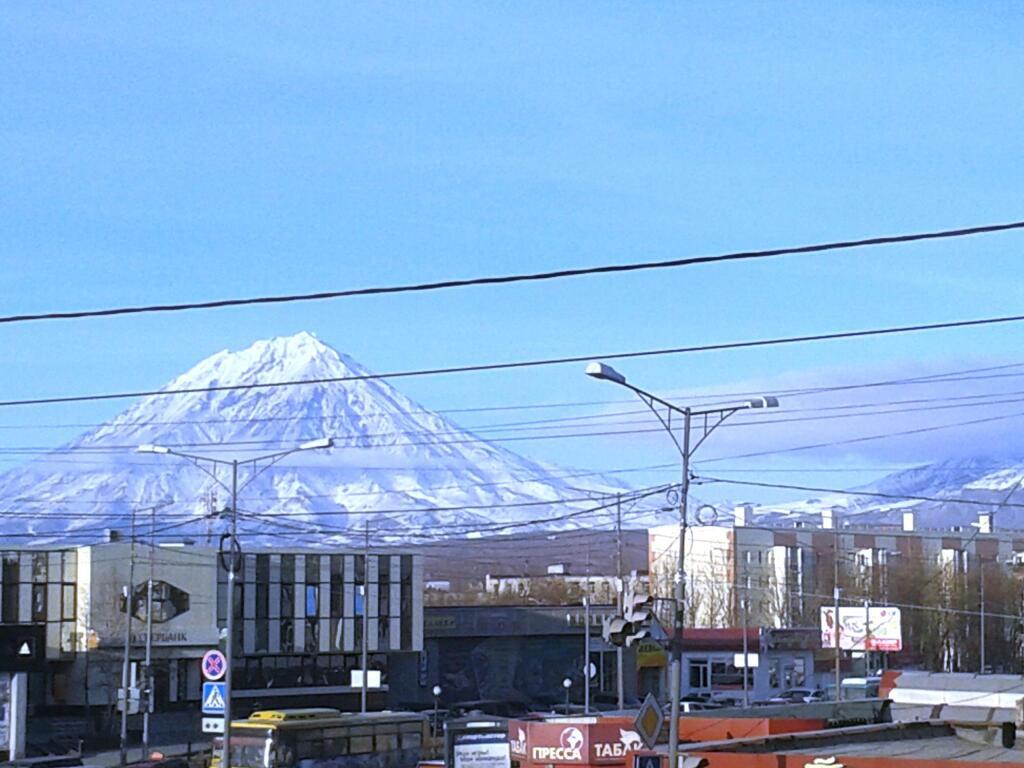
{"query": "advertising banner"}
(489, 750)
(862, 629)
(573, 741)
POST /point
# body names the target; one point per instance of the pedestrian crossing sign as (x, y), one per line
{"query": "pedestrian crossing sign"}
(213, 698)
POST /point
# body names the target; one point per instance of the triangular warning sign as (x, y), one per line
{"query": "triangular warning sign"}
(25, 649)
(214, 700)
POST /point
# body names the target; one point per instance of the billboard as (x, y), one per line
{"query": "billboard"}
(862, 629)
(573, 740)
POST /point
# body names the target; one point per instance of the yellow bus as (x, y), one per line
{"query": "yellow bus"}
(325, 738)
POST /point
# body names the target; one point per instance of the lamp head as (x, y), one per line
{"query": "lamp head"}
(320, 442)
(437, 690)
(765, 401)
(567, 683)
(150, 448)
(605, 372)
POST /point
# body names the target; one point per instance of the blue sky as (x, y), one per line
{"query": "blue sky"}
(169, 152)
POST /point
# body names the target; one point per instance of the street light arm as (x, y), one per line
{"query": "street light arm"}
(197, 461)
(273, 458)
(605, 373)
(723, 414)
(649, 400)
(270, 458)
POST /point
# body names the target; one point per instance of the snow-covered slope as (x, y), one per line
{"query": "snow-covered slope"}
(397, 465)
(943, 494)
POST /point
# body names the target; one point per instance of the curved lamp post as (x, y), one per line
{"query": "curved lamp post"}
(268, 460)
(709, 419)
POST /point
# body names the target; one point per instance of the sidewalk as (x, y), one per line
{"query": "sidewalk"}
(112, 758)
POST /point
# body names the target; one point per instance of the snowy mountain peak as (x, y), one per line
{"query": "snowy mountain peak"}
(399, 464)
(283, 358)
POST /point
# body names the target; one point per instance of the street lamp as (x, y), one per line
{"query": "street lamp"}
(710, 419)
(436, 690)
(231, 562)
(567, 684)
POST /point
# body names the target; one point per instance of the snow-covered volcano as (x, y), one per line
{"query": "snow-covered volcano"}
(404, 470)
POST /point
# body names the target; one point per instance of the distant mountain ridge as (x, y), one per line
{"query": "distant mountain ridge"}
(396, 467)
(943, 495)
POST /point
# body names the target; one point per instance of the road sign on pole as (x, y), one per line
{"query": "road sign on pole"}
(213, 725)
(22, 648)
(213, 698)
(648, 721)
(215, 666)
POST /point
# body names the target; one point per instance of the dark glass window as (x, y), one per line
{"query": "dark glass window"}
(312, 635)
(405, 607)
(337, 586)
(262, 601)
(384, 582)
(11, 581)
(262, 569)
(39, 567)
(287, 635)
(312, 569)
(287, 568)
(38, 602)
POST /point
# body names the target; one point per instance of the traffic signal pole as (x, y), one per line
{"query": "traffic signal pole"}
(676, 667)
(620, 686)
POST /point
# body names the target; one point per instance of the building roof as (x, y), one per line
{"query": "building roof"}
(931, 740)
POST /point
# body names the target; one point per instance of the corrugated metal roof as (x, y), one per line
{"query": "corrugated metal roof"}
(935, 748)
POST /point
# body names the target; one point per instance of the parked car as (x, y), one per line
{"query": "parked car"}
(494, 707)
(798, 696)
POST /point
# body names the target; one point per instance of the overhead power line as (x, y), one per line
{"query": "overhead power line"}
(519, 278)
(729, 345)
(719, 398)
(867, 494)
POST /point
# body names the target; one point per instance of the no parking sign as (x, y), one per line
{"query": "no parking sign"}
(215, 666)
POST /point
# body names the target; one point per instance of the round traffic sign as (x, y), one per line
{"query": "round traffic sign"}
(215, 666)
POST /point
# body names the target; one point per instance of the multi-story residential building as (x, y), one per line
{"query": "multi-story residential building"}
(780, 576)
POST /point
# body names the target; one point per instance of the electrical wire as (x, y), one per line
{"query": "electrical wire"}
(956, 376)
(521, 364)
(520, 278)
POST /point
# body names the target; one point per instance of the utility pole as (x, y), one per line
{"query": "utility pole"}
(366, 613)
(867, 637)
(126, 663)
(586, 639)
(981, 628)
(746, 657)
(835, 595)
(148, 679)
(234, 554)
(618, 567)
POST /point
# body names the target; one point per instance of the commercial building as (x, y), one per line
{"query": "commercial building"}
(299, 624)
(518, 655)
(776, 659)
